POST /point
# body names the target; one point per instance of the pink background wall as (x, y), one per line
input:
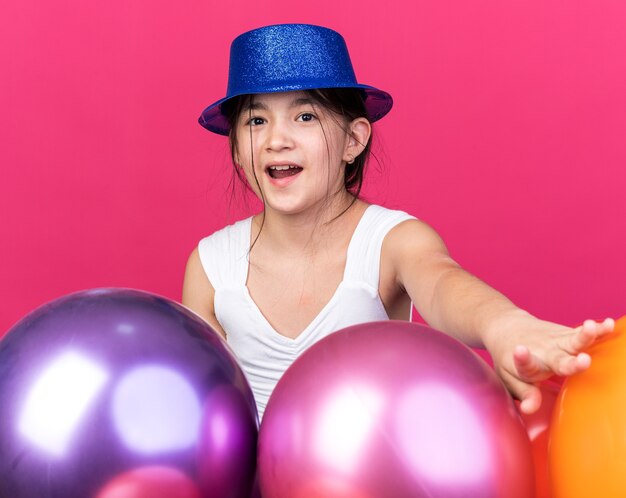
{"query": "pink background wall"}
(508, 136)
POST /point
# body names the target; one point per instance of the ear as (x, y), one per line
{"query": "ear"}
(359, 134)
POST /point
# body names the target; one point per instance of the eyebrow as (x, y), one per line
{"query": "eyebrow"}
(256, 106)
(302, 101)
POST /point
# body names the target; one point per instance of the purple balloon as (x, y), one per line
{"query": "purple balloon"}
(392, 409)
(100, 383)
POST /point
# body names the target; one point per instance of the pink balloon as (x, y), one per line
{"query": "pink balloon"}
(151, 482)
(392, 409)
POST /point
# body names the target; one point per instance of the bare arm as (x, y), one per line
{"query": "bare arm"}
(525, 349)
(198, 293)
(449, 298)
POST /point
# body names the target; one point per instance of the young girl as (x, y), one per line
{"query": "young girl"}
(318, 258)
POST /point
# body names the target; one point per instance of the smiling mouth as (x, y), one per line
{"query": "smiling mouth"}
(283, 171)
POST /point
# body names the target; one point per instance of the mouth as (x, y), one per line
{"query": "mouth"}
(283, 170)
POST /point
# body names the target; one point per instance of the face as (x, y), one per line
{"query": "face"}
(293, 151)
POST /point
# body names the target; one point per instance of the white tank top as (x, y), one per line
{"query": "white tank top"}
(263, 353)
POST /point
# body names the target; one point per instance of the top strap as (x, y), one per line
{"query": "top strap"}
(224, 255)
(363, 258)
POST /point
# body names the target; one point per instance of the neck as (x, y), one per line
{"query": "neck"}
(305, 231)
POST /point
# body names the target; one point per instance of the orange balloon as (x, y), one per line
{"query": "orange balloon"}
(587, 449)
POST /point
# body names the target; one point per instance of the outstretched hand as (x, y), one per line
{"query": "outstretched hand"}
(545, 349)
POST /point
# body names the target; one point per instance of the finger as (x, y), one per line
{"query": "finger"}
(571, 364)
(531, 400)
(588, 333)
(528, 394)
(607, 326)
(529, 368)
(584, 336)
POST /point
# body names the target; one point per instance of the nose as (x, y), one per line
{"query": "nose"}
(278, 137)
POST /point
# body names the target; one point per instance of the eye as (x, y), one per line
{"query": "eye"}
(306, 116)
(255, 121)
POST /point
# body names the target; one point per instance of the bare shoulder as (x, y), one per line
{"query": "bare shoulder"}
(198, 293)
(414, 238)
(194, 269)
(416, 253)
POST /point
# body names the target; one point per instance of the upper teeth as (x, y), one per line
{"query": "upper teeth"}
(286, 166)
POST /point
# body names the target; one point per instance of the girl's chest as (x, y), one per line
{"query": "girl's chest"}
(290, 295)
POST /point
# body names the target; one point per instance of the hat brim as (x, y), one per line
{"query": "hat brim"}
(377, 104)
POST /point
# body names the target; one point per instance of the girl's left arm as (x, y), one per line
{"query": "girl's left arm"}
(525, 349)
